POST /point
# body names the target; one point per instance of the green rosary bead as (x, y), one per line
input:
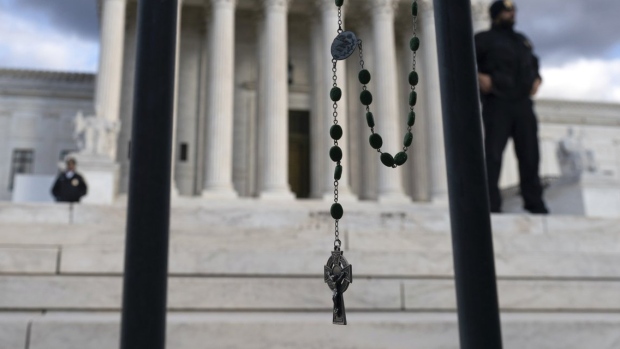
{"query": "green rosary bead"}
(364, 76)
(408, 139)
(336, 211)
(411, 118)
(375, 141)
(413, 98)
(414, 43)
(370, 120)
(414, 8)
(413, 78)
(338, 172)
(335, 153)
(400, 158)
(339, 2)
(335, 132)
(335, 94)
(387, 159)
(366, 97)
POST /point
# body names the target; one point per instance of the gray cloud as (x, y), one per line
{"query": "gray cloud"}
(72, 17)
(561, 30)
(566, 30)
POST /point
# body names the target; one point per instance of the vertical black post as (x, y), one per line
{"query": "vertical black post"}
(472, 243)
(143, 323)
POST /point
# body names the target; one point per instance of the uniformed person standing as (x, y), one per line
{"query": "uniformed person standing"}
(69, 185)
(508, 77)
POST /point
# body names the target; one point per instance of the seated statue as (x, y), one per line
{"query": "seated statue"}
(96, 135)
(574, 159)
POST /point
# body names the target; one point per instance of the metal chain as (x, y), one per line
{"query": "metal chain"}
(413, 65)
(413, 87)
(339, 19)
(337, 242)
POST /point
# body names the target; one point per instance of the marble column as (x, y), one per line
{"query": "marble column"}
(418, 163)
(329, 19)
(203, 93)
(428, 53)
(384, 87)
(317, 117)
(219, 136)
(174, 191)
(369, 156)
(99, 162)
(274, 67)
(109, 76)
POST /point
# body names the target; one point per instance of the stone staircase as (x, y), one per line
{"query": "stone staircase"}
(248, 274)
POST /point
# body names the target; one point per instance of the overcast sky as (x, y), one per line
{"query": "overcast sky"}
(577, 41)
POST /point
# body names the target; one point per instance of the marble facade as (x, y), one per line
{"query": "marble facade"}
(233, 108)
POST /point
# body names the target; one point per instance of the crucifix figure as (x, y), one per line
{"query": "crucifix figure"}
(338, 275)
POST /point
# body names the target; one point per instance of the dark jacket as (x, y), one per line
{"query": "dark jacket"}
(69, 189)
(509, 58)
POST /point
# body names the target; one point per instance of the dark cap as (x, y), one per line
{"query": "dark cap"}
(501, 5)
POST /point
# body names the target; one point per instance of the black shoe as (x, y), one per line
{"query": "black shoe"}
(537, 210)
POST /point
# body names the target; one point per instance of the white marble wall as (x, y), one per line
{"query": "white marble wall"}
(36, 112)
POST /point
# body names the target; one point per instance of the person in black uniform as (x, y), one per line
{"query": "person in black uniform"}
(69, 185)
(508, 77)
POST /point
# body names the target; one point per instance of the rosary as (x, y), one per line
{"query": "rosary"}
(337, 271)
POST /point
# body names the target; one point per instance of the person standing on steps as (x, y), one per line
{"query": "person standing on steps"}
(508, 78)
(69, 185)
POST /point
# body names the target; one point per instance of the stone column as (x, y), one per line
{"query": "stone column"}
(203, 93)
(384, 87)
(329, 19)
(428, 53)
(219, 136)
(274, 68)
(174, 190)
(97, 162)
(317, 117)
(108, 86)
(418, 167)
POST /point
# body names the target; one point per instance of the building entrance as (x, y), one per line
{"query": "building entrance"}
(299, 152)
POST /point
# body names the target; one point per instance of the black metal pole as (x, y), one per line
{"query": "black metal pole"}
(143, 323)
(472, 242)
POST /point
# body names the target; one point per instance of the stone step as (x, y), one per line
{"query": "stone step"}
(602, 239)
(196, 214)
(290, 261)
(293, 262)
(57, 330)
(83, 293)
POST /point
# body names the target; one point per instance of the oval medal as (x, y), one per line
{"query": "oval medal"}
(75, 182)
(344, 45)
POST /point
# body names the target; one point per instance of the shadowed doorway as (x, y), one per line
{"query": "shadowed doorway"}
(299, 152)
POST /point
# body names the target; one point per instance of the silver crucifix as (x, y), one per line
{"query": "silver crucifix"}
(338, 275)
